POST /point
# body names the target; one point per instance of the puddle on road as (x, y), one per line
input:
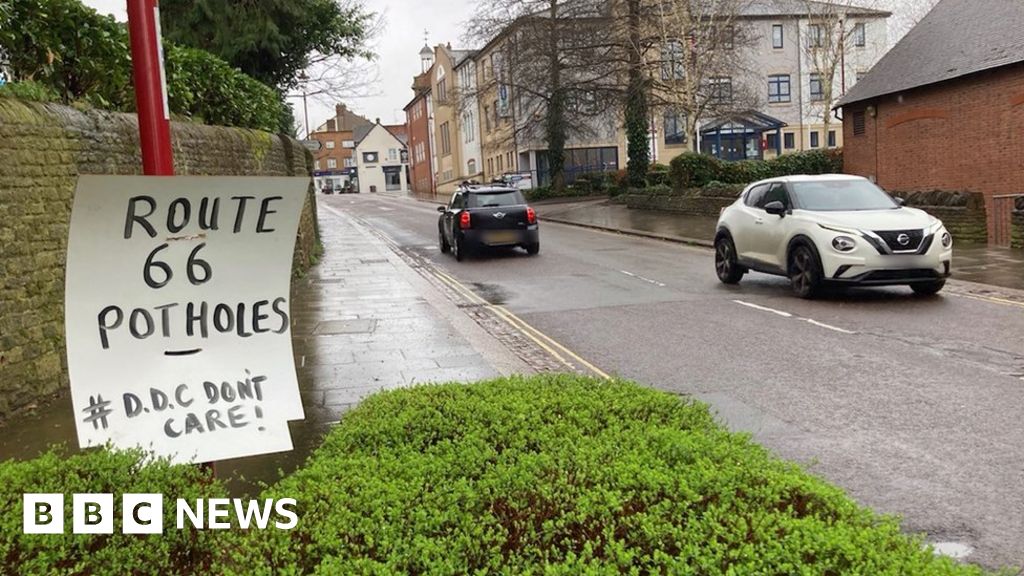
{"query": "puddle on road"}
(493, 293)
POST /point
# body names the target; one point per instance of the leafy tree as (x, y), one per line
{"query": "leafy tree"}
(273, 41)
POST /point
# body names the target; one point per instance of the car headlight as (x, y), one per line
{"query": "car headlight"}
(844, 243)
(947, 240)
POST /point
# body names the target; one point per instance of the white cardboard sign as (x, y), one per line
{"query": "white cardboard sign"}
(177, 314)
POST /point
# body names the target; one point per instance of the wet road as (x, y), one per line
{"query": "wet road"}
(911, 404)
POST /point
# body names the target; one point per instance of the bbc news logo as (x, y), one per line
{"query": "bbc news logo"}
(144, 513)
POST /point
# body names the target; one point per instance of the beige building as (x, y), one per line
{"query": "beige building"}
(448, 115)
(786, 59)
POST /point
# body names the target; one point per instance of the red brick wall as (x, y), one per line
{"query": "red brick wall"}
(418, 131)
(962, 135)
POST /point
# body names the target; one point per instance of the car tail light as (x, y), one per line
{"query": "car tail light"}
(464, 222)
(531, 215)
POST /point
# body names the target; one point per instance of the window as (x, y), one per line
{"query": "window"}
(817, 88)
(675, 128)
(497, 118)
(348, 144)
(329, 144)
(332, 163)
(442, 85)
(777, 36)
(501, 168)
(859, 123)
(721, 88)
(777, 193)
(316, 165)
(393, 179)
(349, 162)
(672, 60)
(487, 118)
(859, 39)
(815, 139)
(471, 166)
(789, 140)
(490, 166)
(778, 88)
(815, 36)
(726, 37)
(755, 195)
(468, 127)
(508, 160)
(446, 142)
(772, 141)
(831, 138)
(392, 154)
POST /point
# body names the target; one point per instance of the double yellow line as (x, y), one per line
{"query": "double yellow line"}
(559, 352)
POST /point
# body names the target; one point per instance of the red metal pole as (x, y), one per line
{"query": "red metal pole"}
(150, 97)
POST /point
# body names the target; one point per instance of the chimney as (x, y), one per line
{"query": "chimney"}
(378, 120)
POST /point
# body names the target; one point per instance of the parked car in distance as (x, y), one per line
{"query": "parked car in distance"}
(831, 230)
(480, 216)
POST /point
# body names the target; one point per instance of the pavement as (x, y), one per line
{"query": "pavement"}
(910, 404)
(1002, 267)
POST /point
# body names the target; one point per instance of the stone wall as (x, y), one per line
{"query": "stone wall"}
(692, 205)
(963, 213)
(43, 149)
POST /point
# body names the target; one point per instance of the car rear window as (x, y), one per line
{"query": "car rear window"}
(493, 199)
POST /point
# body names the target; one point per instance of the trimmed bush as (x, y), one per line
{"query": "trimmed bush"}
(103, 471)
(692, 170)
(563, 475)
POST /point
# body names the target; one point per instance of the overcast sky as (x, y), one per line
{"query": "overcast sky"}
(399, 43)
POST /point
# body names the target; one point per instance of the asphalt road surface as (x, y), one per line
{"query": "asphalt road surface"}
(913, 405)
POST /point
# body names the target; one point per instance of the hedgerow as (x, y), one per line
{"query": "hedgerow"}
(563, 475)
(62, 50)
(692, 170)
(104, 471)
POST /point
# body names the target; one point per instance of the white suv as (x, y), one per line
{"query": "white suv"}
(831, 229)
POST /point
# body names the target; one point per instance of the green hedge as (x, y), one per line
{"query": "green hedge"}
(692, 170)
(103, 471)
(563, 475)
(62, 50)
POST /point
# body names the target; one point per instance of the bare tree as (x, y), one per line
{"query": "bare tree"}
(698, 61)
(549, 56)
(835, 29)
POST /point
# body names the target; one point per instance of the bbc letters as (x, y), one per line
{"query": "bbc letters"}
(177, 314)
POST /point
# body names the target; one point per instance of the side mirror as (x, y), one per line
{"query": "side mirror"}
(899, 201)
(442, 208)
(777, 208)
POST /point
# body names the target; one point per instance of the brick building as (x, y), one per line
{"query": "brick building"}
(334, 164)
(944, 109)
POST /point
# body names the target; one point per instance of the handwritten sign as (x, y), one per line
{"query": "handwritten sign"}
(177, 314)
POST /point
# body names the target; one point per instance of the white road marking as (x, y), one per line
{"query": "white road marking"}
(385, 208)
(638, 277)
(764, 308)
(827, 326)
(303, 364)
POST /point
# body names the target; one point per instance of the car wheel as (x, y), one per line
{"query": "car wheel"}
(804, 272)
(726, 266)
(459, 248)
(443, 242)
(928, 288)
(533, 249)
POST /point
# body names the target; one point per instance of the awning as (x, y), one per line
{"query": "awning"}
(743, 123)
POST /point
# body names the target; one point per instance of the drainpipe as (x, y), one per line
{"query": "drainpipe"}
(800, 79)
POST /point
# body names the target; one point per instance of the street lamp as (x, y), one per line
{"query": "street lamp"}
(303, 80)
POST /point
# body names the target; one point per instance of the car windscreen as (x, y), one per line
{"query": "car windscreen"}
(494, 199)
(840, 195)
